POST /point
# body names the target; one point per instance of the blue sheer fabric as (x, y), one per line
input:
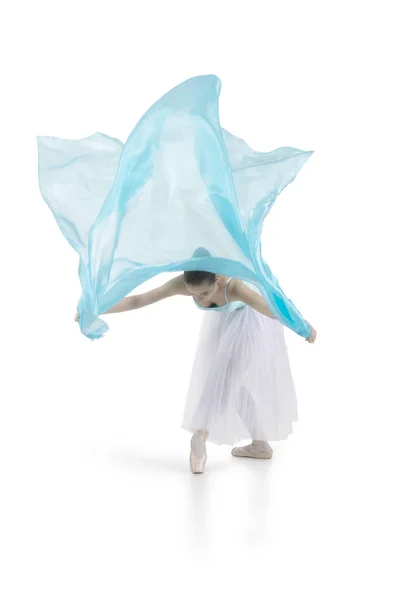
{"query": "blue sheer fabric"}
(180, 182)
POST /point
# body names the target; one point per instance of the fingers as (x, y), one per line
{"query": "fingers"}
(313, 334)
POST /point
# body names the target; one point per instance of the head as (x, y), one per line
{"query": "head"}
(200, 284)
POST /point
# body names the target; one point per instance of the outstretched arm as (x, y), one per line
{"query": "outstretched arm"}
(141, 300)
(170, 288)
(127, 303)
(241, 292)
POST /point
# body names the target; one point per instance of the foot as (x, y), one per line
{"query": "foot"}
(198, 454)
(258, 449)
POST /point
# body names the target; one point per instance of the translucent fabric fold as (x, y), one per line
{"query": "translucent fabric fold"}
(179, 183)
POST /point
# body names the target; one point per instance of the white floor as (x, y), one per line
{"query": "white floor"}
(98, 500)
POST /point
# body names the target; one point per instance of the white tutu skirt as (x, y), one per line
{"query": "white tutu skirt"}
(241, 385)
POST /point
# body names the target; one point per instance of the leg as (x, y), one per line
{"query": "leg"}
(197, 443)
(198, 454)
(259, 448)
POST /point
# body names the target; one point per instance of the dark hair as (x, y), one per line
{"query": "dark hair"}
(199, 277)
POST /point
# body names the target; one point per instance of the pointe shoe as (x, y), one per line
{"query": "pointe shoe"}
(253, 451)
(197, 464)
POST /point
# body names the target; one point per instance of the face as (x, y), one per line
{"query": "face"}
(204, 291)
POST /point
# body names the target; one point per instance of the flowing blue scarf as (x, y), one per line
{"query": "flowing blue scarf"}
(179, 183)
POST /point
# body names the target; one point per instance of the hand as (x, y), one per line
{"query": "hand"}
(313, 334)
(76, 317)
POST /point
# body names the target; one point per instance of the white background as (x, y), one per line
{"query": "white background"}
(97, 500)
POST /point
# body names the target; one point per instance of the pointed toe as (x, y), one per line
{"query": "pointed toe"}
(197, 464)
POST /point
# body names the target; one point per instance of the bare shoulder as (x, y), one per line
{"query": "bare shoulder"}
(173, 287)
(176, 286)
(237, 290)
(243, 293)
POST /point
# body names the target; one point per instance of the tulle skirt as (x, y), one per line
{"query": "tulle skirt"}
(241, 384)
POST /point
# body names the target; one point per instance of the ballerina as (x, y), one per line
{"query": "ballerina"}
(241, 384)
(185, 195)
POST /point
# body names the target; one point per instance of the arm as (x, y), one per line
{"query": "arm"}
(127, 303)
(170, 288)
(241, 292)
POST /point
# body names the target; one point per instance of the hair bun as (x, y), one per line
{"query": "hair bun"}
(201, 253)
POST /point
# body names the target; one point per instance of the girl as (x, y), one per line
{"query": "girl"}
(241, 384)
